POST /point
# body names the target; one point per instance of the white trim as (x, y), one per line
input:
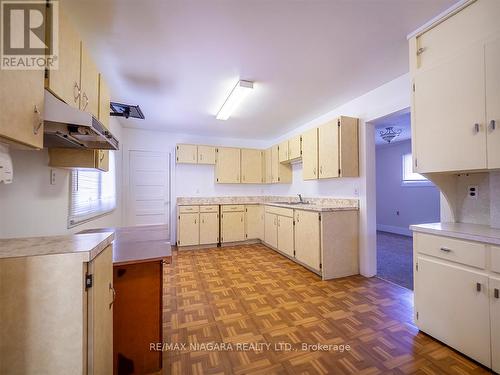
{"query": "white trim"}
(455, 8)
(393, 229)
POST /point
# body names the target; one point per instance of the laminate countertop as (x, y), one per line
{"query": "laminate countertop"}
(87, 245)
(138, 244)
(471, 232)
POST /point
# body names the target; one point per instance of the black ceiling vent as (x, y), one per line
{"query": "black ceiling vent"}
(126, 110)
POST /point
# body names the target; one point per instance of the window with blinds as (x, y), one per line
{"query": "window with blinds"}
(93, 193)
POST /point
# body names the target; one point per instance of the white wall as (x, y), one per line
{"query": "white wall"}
(193, 180)
(31, 206)
(415, 204)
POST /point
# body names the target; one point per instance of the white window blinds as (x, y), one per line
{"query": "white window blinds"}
(93, 193)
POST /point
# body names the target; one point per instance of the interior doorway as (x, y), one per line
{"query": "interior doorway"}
(403, 198)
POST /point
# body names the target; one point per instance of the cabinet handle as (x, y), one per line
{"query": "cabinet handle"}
(195, 221)
(114, 295)
(420, 51)
(203, 221)
(446, 250)
(39, 123)
(321, 169)
(496, 293)
(476, 128)
(242, 219)
(478, 287)
(76, 91)
(493, 125)
(314, 171)
(86, 101)
(101, 156)
(278, 221)
(201, 156)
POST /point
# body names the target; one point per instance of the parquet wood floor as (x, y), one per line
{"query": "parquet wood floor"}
(251, 294)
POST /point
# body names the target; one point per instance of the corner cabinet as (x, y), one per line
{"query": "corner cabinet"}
(63, 338)
(455, 70)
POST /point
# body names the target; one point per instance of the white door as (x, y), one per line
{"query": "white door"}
(149, 188)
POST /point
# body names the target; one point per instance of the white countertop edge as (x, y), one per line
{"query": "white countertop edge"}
(472, 232)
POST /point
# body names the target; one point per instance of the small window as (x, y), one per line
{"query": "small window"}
(411, 178)
(93, 193)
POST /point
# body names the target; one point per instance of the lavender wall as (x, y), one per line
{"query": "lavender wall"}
(416, 205)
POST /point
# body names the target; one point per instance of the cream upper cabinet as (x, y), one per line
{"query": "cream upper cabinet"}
(268, 166)
(89, 99)
(283, 152)
(295, 147)
(233, 226)
(270, 229)
(104, 102)
(209, 228)
(492, 65)
(186, 154)
(254, 222)
(206, 154)
(64, 82)
(310, 154)
(227, 166)
(251, 166)
(457, 311)
(338, 148)
(281, 173)
(308, 238)
(21, 116)
(188, 229)
(495, 322)
(285, 234)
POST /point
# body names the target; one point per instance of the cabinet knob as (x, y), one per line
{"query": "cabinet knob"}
(496, 293)
(493, 125)
(446, 250)
(476, 128)
(478, 287)
(39, 121)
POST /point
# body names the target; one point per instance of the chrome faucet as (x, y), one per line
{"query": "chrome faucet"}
(300, 198)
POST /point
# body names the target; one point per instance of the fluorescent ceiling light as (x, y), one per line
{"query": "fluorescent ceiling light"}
(237, 95)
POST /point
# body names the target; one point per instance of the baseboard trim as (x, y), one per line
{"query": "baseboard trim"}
(396, 230)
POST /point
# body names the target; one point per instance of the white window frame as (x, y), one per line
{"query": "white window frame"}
(410, 178)
(98, 204)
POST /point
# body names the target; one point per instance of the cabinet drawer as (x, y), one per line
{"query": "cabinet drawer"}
(233, 208)
(188, 209)
(288, 212)
(465, 252)
(495, 259)
(212, 208)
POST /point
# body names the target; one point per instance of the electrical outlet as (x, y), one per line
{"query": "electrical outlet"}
(473, 191)
(52, 176)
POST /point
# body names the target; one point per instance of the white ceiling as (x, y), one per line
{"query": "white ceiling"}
(400, 120)
(179, 59)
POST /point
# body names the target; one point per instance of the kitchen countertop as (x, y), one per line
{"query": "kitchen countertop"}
(138, 244)
(88, 245)
(471, 232)
(323, 204)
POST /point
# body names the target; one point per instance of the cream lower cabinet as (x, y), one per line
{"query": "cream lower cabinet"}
(308, 238)
(270, 229)
(279, 231)
(209, 225)
(285, 234)
(188, 226)
(51, 321)
(254, 222)
(455, 298)
(232, 223)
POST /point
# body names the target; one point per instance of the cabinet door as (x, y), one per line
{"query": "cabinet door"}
(209, 228)
(188, 229)
(310, 154)
(104, 102)
(268, 166)
(275, 164)
(233, 227)
(493, 101)
(453, 306)
(251, 166)
(100, 307)
(283, 152)
(271, 230)
(348, 147)
(295, 147)
(449, 101)
(64, 82)
(206, 155)
(102, 160)
(307, 238)
(285, 235)
(227, 166)
(89, 100)
(328, 150)
(254, 222)
(495, 322)
(186, 154)
(21, 95)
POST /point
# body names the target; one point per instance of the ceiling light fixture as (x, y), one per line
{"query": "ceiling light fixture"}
(390, 133)
(237, 95)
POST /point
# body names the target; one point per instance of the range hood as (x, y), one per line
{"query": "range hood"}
(68, 127)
